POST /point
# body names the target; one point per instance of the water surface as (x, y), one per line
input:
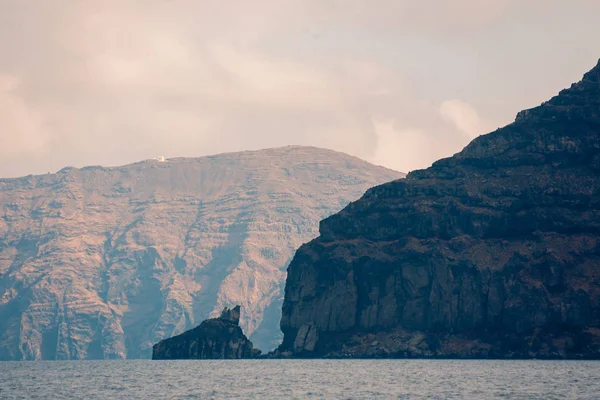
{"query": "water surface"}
(276, 379)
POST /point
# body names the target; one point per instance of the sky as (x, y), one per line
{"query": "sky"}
(399, 83)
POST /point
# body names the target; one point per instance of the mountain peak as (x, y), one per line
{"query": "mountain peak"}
(231, 315)
(566, 123)
(594, 74)
(590, 79)
(578, 102)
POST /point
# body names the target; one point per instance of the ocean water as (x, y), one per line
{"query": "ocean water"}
(278, 379)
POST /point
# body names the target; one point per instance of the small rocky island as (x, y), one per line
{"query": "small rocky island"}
(215, 338)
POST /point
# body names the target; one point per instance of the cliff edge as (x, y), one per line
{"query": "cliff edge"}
(491, 253)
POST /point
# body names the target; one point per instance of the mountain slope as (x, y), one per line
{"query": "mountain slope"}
(494, 252)
(103, 262)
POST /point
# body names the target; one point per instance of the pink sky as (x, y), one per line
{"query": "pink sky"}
(396, 82)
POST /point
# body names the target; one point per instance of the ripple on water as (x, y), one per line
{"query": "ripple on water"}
(343, 379)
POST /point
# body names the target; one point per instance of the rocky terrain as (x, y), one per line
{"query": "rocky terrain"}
(494, 252)
(214, 339)
(104, 262)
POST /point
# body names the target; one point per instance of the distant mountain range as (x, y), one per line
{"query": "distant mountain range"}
(104, 262)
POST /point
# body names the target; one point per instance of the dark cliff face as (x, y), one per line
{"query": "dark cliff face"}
(494, 252)
(216, 338)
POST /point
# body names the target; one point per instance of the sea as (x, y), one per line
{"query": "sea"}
(300, 379)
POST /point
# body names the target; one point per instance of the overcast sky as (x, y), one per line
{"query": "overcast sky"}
(399, 83)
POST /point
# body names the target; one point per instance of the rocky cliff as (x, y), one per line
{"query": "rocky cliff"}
(494, 252)
(214, 339)
(104, 262)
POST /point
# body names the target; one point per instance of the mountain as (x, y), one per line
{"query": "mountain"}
(494, 252)
(214, 339)
(104, 262)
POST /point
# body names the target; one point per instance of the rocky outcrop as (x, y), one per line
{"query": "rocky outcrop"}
(104, 262)
(216, 338)
(494, 252)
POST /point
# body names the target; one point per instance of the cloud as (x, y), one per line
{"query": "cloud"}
(403, 148)
(410, 143)
(111, 82)
(23, 132)
(464, 117)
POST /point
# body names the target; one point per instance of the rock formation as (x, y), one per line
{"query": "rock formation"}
(215, 338)
(494, 252)
(104, 262)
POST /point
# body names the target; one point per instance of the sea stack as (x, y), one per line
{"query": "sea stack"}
(491, 253)
(215, 338)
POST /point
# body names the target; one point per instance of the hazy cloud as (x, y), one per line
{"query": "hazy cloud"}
(23, 133)
(399, 83)
(464, 117)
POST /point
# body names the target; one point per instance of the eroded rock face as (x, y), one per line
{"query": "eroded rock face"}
(104, 262)
(494, 252)
(214, 339)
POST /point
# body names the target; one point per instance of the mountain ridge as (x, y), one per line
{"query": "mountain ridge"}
(103, 262)
(209, 156)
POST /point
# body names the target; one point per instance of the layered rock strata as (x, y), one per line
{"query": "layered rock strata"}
(491, 253)
(104, 262)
